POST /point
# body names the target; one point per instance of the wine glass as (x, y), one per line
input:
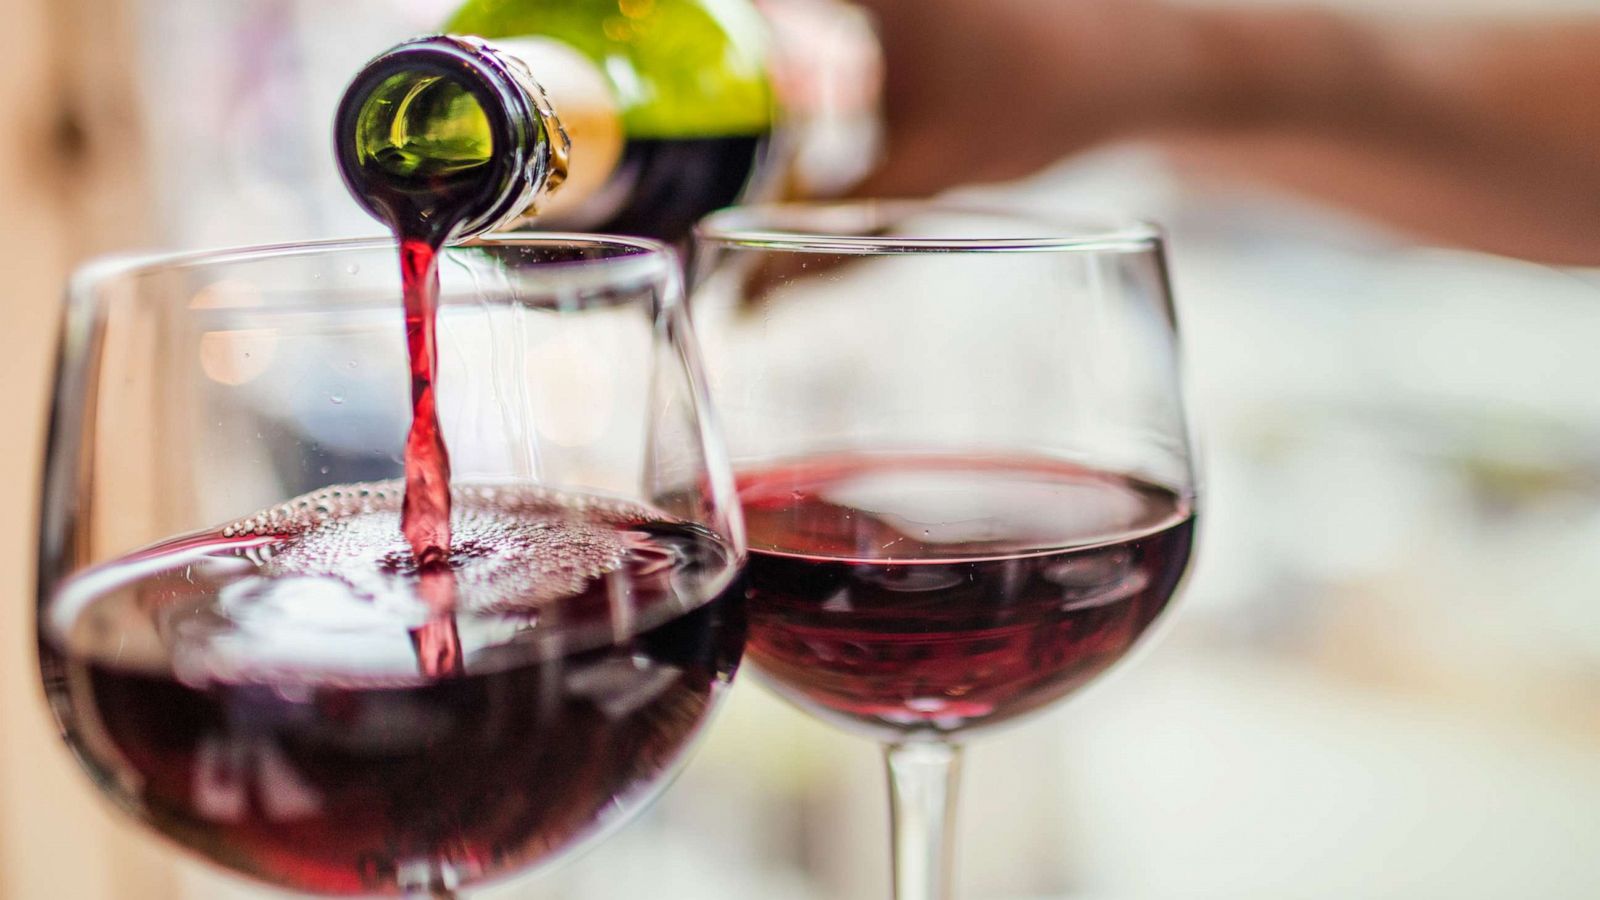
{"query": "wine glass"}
(234, 637)
(960, 444)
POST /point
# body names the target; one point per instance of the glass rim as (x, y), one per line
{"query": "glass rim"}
(762, 226)
(651, 258)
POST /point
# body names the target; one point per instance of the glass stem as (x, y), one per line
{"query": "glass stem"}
(922, 795)
(424, 881)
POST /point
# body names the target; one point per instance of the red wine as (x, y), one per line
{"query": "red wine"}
(937, 593)
(666, 185)
(443, 137)
(422, 161)
(425, 512)
(425, 519)
(251, 692)
(426, 210)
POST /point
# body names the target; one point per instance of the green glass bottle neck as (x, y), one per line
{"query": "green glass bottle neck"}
(465, 136)
(449, 138)
(679, 69)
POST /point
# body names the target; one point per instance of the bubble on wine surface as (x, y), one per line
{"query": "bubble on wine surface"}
(323, 590)
(515, 547)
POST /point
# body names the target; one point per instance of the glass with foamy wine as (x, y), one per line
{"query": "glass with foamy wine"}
(251, 656)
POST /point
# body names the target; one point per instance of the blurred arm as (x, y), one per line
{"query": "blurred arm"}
(1484, 134)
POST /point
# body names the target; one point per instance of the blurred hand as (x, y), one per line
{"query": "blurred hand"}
(992, 90)
(1477, 132)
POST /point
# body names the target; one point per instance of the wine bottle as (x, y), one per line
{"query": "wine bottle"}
(624, 116)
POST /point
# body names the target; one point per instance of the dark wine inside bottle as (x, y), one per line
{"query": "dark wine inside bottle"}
(666, 185)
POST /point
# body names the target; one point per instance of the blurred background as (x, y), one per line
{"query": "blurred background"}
(1383, 679)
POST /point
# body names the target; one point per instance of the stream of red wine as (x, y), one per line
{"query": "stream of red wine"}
(425, 516)
(425, 513)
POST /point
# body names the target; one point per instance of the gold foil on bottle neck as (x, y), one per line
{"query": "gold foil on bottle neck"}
(577, 107)
(560, 142)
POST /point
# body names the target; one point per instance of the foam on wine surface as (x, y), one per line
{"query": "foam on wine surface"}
(514, 548)
(324, 588)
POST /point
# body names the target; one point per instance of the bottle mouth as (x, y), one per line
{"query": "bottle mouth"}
(439, 133)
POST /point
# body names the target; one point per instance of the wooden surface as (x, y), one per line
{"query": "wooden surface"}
(70, 175)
